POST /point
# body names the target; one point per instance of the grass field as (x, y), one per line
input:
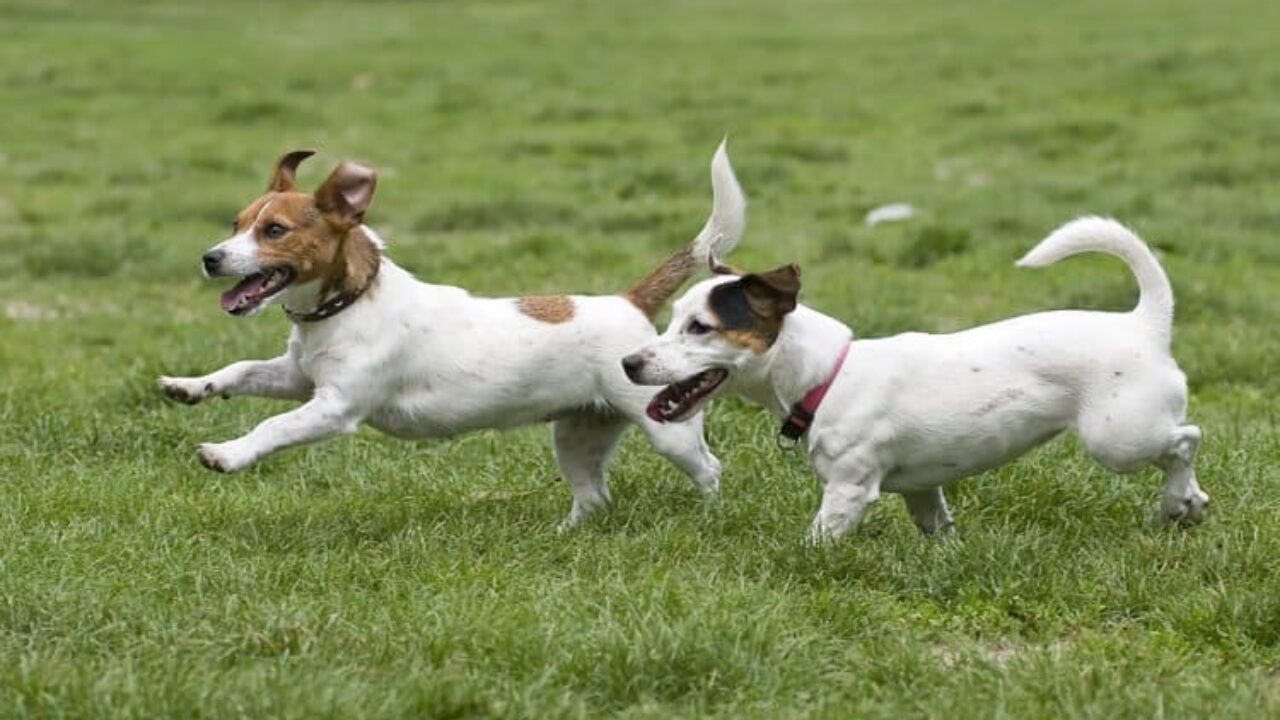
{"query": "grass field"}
(528, 147)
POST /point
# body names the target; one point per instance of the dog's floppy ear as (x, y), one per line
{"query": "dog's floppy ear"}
(772, 294)
(346, 194)
(757, 300)
(286, 169)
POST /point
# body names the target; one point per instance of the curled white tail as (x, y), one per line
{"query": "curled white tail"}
(1096, 234)
(728, 212)
(720, 235)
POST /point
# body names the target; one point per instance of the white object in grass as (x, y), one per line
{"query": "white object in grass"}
(895, 212)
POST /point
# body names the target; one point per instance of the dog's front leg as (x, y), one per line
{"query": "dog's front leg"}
(850, 485)
(928, 509)
(326, 415)
(278, 378)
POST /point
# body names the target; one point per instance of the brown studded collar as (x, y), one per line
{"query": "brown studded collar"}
(333, 305)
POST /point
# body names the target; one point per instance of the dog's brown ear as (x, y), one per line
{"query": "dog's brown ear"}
(346, 194)
(772, 294)
(286, 169)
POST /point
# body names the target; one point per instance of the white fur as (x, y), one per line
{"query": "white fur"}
(418, 360)
(728, 211)
(240, 251)
(239, 254)
(909, 413)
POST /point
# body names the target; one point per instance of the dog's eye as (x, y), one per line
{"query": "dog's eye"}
(697, 327)
(274, 230)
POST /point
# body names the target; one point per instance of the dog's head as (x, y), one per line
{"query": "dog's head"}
(721, 326)
(288, 238)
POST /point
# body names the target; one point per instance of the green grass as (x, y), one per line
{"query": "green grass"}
(533, 147)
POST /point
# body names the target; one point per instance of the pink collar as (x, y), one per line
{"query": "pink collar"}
(802, 412)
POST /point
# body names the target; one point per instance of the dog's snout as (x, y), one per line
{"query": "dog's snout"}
(211, 260)
(632, 365)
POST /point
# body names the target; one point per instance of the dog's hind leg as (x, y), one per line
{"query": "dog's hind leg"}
(1183, 499)
(1114, 436)
(583, 444)
(928, 509)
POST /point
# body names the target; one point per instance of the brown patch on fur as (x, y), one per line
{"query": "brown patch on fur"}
(757, 340)
(749, 312)
(651, 293)
(553, 309)
(249, 214)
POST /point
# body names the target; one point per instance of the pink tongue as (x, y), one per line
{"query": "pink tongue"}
(248, 286)
(653, 412)
(654, 408)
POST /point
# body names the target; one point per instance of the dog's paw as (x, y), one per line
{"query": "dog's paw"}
(583, 508)
(223, 457)
(1186, 510)
(708, 486)
(945, 531)
(819, 536)
(571, 523)
(185, 390)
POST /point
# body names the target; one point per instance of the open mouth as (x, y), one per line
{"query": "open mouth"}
(251, 292)
(679, 400)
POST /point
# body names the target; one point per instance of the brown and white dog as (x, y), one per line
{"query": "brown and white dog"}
(371, 344)
(909, 413)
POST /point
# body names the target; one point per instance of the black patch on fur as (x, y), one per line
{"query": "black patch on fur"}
(729, 303)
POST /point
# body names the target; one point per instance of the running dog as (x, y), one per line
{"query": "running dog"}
(371, 344)
(907, 414)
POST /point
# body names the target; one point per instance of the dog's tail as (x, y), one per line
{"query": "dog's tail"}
(1096, 234)
(720, 235)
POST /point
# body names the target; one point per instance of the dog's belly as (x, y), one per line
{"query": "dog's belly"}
(410, 425)
(923, 468)
(394, 421)
(426, 415)
(969, 433)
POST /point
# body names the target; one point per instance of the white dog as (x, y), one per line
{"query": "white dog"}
(908, 413)
(371, 344)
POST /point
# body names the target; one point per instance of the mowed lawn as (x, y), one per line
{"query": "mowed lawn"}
(545, 147)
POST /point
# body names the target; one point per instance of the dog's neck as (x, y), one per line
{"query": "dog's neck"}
(353, 270)
(802, 358)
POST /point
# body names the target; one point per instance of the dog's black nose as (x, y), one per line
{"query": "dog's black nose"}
(211, 260)
(631, 365)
